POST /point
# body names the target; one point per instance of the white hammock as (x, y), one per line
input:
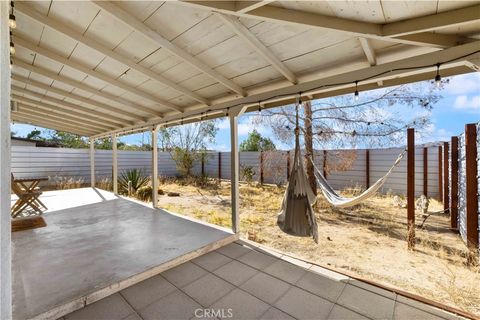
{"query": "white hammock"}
(338, 201)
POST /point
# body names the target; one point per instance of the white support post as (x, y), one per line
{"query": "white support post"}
(92, 163)
(154, 167)
(234, 166)
(114, 164)
(5, 233)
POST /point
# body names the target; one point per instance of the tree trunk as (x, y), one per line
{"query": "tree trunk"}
(309, 145)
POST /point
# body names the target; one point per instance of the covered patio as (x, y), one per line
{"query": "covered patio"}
(102, 69)
(96, 244)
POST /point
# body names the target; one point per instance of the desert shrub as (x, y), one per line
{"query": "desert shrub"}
(63, 183)
(136, 176)
(105, 184)
(247, 173)
(144, 193)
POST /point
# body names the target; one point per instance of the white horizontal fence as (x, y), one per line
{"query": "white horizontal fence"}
(75, 163)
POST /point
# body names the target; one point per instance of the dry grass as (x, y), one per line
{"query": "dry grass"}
(368, 240)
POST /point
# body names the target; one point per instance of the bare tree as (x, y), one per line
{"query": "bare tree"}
(379, 118)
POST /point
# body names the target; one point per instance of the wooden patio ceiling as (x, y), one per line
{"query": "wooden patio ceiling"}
(97, 68)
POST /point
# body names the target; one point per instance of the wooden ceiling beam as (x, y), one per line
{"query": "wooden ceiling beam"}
(433, 22)
(140, 27)
(98, 75)
(107, 117)
(59, 110)
(78, 98)
(368, 50)
(250, 39)
(355, 28)
(76, 84)
(95, 45)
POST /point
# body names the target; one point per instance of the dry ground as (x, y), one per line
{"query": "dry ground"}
(367, 240)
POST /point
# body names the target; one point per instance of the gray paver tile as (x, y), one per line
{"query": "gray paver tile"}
(321, 286)
(212, 260)
(147, 291)
(406, 312)
(233, 250)
(110, 308)
(303, 305)
(366, 302)
(235, 272)
(286, 271)
(265, 287)
(243, 305)
(275, 314)
(208, 289)
(341, 313)
(184, 274)
(176, 305)
(257, 260)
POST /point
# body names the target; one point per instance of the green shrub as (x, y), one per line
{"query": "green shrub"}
(136, 176)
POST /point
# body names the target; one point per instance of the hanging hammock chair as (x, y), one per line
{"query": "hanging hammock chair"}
(297, 217)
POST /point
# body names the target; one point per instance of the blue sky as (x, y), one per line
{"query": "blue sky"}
(460, 105)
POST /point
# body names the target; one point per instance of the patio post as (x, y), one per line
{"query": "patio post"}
(154, 166)
(411, 188)
(92, 162)
(114, 164)
(234, 166)
(5, 234)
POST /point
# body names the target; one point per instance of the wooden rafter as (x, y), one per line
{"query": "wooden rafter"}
(78, 98)
(66, 30)
(52, 115)
(246, 6)
(98, 75)
(319, 85)
(257, 45)
(69, 113)
(368, 50)
(369, 30)
(41, 121)
(71, 106)
(140, 27)
(76, 84)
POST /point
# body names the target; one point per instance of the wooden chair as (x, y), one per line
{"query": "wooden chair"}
(25, 199)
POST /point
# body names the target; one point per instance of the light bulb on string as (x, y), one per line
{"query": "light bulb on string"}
(438, 77)
(12, 22)
(12, 48)
(356, 96)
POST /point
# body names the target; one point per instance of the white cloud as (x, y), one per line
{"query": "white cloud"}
(465, 103)
(464, 84)
(244, 127)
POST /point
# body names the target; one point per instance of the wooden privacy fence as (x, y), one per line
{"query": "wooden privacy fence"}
(343, 168)
(461, 183)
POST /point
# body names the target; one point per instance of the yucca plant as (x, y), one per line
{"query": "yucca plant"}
(136, 176)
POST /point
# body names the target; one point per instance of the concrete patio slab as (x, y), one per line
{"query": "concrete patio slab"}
(91, 251)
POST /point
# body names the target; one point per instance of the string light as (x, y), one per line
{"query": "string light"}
(259, 108)
(12, 22)
(438, 77)
(356, 96)
(12, 46)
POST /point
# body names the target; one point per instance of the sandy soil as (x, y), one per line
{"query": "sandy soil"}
(368, 240)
